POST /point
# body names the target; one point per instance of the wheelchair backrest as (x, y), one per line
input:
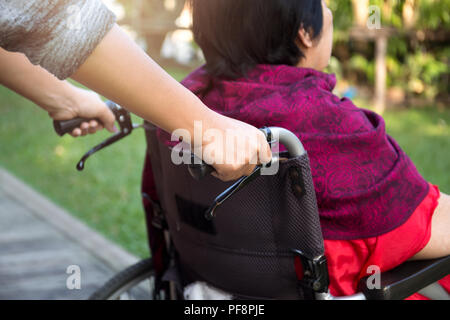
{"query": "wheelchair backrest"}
(247, 248)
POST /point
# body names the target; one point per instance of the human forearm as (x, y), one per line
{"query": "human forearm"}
(60, 99)
(121, 71)
(33, 82)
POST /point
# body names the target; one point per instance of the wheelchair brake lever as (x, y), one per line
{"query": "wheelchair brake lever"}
(238, 185)
(242, 182)
(104, 144)
(123, 117)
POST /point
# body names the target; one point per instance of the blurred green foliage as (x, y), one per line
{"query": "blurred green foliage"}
(428, 14)
(418, 58)
(434, 14)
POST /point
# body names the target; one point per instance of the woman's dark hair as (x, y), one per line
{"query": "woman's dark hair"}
(236, 35)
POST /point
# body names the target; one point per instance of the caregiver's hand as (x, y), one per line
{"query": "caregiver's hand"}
(241, 148)
(84, 104)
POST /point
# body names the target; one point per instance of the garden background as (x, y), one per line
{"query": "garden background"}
(106, 195)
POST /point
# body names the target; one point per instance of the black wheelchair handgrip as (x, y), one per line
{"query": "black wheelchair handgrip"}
(67, 126)
(200, 171)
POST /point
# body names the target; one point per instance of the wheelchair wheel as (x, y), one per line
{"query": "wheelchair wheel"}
(134, 283)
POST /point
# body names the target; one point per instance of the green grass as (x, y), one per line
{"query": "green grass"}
(107, 194)
(424, 134)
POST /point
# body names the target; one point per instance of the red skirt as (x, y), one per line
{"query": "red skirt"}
(349, 261)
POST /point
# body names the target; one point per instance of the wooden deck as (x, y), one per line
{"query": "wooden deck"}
(39, 241)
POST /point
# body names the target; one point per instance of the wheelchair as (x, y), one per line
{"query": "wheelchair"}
(245, 243)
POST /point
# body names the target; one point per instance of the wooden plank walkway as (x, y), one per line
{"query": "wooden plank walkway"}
(39, 241)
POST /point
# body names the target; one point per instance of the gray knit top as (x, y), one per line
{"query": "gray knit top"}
(58, 35)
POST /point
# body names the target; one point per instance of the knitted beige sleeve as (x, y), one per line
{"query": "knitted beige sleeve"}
(58, 35)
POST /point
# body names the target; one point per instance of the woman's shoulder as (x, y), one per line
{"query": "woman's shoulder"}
(327, 112)
(301, 99)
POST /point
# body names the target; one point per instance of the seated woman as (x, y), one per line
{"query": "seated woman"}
(264, 66)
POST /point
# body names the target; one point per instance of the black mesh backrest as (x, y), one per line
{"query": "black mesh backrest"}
(246, 249)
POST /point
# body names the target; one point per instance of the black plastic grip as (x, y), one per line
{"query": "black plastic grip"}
(67, 126)
(199, 171)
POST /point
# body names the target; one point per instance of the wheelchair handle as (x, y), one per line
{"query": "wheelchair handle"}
(283, 136)
(292, 143)
(67, 126)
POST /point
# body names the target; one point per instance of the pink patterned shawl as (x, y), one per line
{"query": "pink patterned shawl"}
(365, 184)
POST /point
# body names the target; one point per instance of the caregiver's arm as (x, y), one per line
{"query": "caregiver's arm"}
(122, 72)
(80, 38)
(60, 99)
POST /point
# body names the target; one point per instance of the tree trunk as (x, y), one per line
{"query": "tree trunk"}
(360, 12)
(409, 14)
(380, 73)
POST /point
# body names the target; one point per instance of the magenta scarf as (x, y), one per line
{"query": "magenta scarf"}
(365, 184)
